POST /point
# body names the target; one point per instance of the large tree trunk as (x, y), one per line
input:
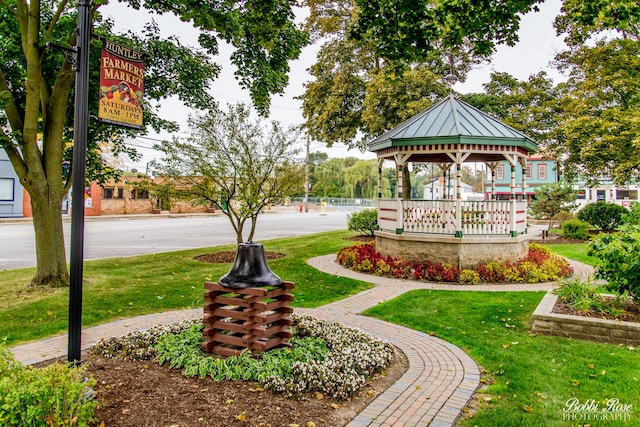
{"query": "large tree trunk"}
(50, 251)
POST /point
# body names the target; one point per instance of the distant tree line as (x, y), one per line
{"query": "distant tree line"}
(351, 177)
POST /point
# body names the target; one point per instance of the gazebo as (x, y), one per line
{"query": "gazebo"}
(464, 233)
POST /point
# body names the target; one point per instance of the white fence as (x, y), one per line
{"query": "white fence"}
(484, 217)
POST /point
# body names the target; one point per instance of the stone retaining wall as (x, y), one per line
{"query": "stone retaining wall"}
(465, 252)
(586, 328)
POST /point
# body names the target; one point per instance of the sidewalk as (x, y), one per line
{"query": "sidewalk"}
(439, 383)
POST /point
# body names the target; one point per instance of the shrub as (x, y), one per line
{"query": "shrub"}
(540, 265)
(470, 277)
(56, 395)
(563, 216)
(603, 215)
(575, 229)
(619, 260)
(364, 221)
(633, 215)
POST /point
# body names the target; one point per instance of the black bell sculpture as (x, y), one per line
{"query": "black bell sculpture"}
(250, 269)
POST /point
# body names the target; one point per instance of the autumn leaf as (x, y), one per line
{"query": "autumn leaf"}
(591, 366)
(527, 408)
(319, 395)
(575, 383)
(241, 417)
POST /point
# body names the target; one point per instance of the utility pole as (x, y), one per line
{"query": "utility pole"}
(306, 177)
(80, 131)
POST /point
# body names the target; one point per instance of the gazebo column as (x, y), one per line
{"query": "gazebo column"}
(512, 159)
(401, 161)
(458, 199)
(523, 163)
(525, 198)
(492, 167)
(444, 204)
(492, 195)
(458, 158)
(444, 167)
(380, 162)
(444, 183)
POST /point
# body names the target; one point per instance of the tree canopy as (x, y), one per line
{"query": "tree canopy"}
(357, 93)
(36, 88)
(588, 123)
(409, 30)
(235, 164)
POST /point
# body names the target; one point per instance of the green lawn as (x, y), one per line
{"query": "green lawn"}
(528, 377)
(577, 251)
(125, 287)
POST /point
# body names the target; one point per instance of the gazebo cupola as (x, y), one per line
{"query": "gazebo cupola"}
(462, 232)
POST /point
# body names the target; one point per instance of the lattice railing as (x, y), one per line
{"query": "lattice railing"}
(483, 217)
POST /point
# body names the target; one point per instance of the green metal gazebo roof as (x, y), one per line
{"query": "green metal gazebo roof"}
(452, 121)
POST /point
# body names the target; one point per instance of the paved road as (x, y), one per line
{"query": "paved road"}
(121, 237)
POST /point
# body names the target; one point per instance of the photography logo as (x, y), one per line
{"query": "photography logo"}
(592, 410)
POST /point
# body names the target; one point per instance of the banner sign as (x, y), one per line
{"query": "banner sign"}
(121, 85)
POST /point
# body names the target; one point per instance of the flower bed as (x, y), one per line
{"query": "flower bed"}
(540, 265)
(326, 357)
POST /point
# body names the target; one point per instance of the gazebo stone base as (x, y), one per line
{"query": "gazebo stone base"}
(463, 252)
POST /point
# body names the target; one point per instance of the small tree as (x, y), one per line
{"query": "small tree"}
(365, 221)
(606, 216)
(233, 163)
(551, 199)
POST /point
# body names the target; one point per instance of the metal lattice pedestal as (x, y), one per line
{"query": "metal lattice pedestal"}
(253, 318)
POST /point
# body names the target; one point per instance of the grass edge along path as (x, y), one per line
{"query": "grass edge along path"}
(120, 288)
(576, 251)
(527, 378)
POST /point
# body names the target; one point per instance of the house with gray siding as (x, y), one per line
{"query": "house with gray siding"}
(11, 192)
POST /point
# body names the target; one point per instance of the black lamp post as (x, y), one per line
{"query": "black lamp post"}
(80, 130)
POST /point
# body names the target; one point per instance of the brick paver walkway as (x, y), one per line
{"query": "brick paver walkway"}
(438, 384)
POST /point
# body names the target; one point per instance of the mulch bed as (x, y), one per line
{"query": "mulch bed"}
(146, 394)
(365, 239)
(631, 312)
(230, 256)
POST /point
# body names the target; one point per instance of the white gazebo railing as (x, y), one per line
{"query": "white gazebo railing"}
(453, 217)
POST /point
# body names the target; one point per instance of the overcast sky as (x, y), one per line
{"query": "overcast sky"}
(537, 47)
